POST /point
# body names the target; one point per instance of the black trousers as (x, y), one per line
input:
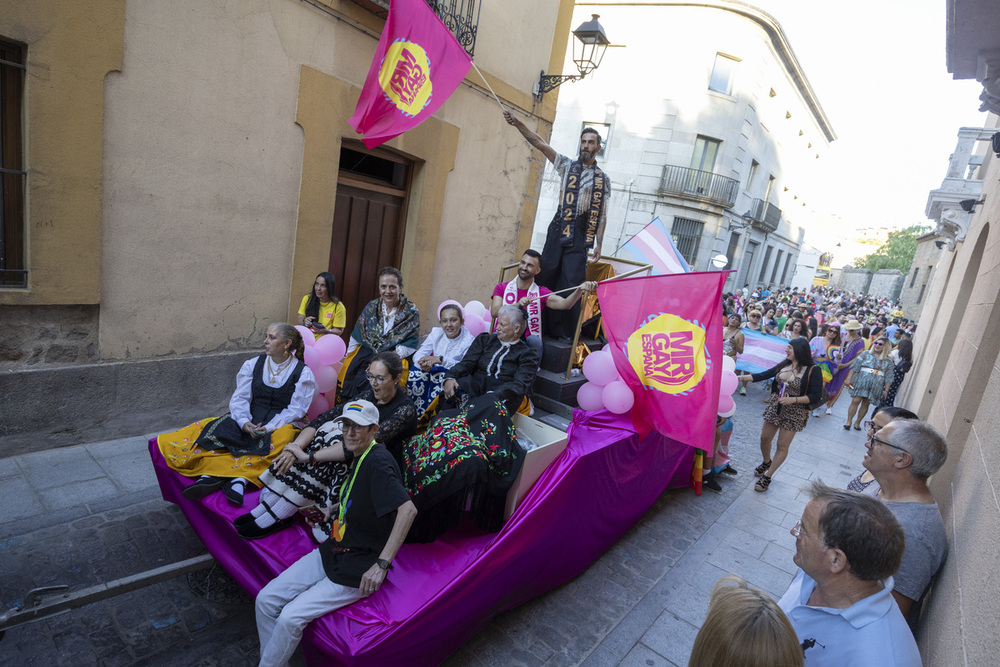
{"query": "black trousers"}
(562, 267)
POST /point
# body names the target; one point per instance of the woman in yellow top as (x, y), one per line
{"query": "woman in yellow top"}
(321, 311)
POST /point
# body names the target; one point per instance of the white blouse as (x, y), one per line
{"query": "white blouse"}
(239, 404)
(451, 350)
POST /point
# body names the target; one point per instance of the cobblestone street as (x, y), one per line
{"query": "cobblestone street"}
(92, 513)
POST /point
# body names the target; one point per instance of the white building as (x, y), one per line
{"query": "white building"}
(709, 123)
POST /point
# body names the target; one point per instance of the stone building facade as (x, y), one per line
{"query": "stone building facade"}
(720, 149)
(920, 279)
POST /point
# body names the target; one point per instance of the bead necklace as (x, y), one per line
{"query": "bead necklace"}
(275, 372)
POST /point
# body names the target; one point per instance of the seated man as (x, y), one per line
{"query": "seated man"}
(524, 291)
(500, 363)
(847, 547)
(901, 457)
(372, 519)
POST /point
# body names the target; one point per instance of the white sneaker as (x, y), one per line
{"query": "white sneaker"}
(829, 411)
(816, 412)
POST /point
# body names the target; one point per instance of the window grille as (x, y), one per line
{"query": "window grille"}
(12, 173)
(686, 234)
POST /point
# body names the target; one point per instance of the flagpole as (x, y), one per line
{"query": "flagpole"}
(502, 107)
(606, 280)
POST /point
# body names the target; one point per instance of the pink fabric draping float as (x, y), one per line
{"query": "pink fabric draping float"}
(439, 595)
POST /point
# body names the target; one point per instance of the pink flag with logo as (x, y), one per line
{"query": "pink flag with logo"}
(417, 66)
(665, 334)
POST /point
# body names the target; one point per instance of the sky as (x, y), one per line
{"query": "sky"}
(879, 71)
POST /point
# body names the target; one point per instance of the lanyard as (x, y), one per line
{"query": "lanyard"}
(345, 490)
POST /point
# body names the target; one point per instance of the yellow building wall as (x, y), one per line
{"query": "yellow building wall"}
(72, 46)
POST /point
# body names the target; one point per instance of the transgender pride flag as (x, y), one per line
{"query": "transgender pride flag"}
(653, 245)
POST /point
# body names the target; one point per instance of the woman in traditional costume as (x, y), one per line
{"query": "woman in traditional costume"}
(272, 391)
(312, 469)
(390, 323)
(443, 348)
(320, 310)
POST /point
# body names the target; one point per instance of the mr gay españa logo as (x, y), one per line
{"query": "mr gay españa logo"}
(405, 76)
(668, 354)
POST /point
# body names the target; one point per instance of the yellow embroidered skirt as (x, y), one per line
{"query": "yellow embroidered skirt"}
(183, 455)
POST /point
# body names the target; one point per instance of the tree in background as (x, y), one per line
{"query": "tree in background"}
(897, 251)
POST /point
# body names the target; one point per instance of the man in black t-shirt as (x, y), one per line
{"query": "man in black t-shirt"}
(370, 523)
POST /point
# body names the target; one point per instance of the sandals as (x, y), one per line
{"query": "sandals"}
(761, 469)
(762, 483)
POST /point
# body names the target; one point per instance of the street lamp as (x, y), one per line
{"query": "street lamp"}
(587, 56)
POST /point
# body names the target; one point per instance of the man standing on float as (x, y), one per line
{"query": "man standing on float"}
(579, 221)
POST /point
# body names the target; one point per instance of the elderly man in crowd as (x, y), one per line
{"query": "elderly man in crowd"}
(847, 546)
(901, 457)
(500, 363)
(372, 519)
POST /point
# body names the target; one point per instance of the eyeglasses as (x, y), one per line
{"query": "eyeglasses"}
(872, 426)
(351, 426)
(798, 532)
(877, 343)
(376, 379)
(874, 440)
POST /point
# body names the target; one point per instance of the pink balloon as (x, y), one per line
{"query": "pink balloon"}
(318, 406)
(487, 323)
(331, 349)
(313, 358)
(589, 397)
(307, 335)
(728, 413)
(618, 397)
(728, 384)
(726, 403)
(326, 378)
(475, 308)
(475, 325)
(599, 368)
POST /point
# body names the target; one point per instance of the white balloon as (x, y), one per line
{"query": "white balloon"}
(728, 364)
(728, 413)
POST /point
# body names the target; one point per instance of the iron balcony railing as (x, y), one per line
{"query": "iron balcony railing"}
(461, 17)
(765, 216)
(701, 185)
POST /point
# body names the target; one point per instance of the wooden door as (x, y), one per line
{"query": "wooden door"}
(368, 230)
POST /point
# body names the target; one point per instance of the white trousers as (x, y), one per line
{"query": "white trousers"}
(290, 601)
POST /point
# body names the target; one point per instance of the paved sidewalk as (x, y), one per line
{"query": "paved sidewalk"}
(92, 513)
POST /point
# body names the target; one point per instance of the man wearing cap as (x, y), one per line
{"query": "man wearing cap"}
(372, 518)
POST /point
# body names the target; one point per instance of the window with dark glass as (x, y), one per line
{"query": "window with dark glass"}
(686, 234)
(12, 172)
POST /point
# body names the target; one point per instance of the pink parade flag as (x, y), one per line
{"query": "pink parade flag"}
(417, 66)
(665, 335)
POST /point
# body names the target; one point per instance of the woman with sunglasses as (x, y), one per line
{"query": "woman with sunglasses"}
(753, 320)
(868, 381)
(312, 468)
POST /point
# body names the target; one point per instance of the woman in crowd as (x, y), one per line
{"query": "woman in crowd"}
(320, 310)
(868, 381)
(797, 383)
(852, 345)
(732, 340)
(312, 468)
(272, 390)
(902, 358)
(753, 320)
(744, 628)
(769, 324)
(443, 348)
(825, 350)
(796, 328)
(865, 482)
(390, 323)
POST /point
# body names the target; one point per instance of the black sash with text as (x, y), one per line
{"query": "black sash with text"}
(567, 216)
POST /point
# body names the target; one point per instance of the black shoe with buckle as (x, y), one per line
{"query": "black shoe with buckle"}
(203, 487)
(252, 531)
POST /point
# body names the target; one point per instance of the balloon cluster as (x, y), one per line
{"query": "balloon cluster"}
(477, 317)
(729, 383)
(605, 388)
(323, 357)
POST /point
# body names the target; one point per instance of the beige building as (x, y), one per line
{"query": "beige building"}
(919, 280)
(183, 170)
(956, 378)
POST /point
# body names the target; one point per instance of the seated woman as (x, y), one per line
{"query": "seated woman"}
(312, 469)
(443, 348)
(272, 391)
(390, 323)
(321, 311)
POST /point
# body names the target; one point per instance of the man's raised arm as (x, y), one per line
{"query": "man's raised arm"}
(532, 138)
